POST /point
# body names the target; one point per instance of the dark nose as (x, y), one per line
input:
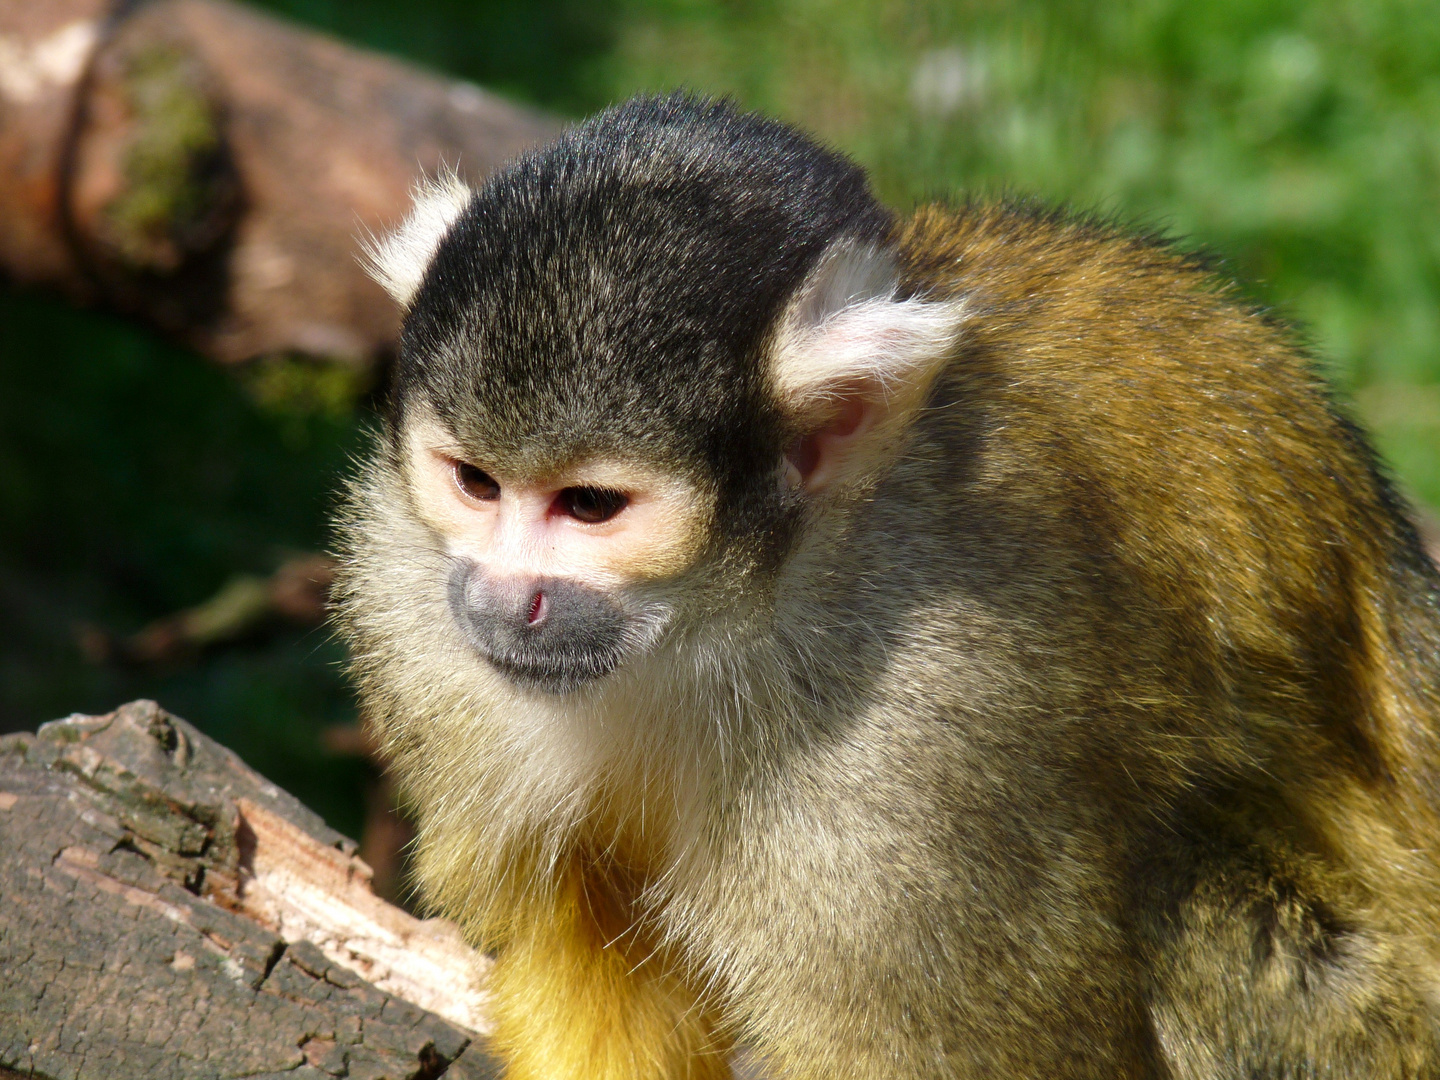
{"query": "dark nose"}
(526, 606)
(551, 633)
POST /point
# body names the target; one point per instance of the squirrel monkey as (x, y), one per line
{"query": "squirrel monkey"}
(969, 646)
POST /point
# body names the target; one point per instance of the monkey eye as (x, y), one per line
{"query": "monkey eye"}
(476, 483)
(590, 504)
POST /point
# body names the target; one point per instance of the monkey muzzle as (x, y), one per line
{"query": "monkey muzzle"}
(547, 634)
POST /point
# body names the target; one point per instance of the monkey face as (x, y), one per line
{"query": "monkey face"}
(554, 579)
(633, 369)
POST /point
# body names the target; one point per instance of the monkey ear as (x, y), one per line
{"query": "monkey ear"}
(398, 261)
(852, 362)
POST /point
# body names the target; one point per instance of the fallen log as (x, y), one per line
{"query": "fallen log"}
(166, 912)
(209, 168)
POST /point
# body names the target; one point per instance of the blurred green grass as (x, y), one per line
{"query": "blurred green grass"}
(1298, 140)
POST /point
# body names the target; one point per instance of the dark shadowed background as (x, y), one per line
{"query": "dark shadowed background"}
(1299, 140)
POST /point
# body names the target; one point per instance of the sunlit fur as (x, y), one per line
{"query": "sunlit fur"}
(535, 806)
(399, 259)
(1086, 727)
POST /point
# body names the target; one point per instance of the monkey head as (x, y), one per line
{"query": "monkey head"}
(636, 366)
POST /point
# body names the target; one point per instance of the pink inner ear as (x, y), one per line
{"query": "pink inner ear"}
(804, 455)
(848, 416)
(815, 456)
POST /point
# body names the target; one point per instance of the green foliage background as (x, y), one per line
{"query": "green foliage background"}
(1299, 139)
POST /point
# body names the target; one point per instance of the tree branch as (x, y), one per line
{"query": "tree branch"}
(209, 168)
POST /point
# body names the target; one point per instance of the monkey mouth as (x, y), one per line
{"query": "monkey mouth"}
(551, 673)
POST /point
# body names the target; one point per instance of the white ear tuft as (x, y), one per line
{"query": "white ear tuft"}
(398, 261)
(846, 331)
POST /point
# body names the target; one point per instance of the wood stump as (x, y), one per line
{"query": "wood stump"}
(166, 912)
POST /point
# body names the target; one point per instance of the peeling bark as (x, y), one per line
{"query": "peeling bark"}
(166, 912)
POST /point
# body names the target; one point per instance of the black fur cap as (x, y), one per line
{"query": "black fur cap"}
(611, 292)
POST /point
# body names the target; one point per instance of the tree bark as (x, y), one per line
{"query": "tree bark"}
(165, 912)
(210, 168)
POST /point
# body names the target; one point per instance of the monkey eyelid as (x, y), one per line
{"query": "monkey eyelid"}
(474, 482)
(591, 504)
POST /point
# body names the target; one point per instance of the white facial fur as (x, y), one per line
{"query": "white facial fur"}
(512, 770)
(520, 534)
